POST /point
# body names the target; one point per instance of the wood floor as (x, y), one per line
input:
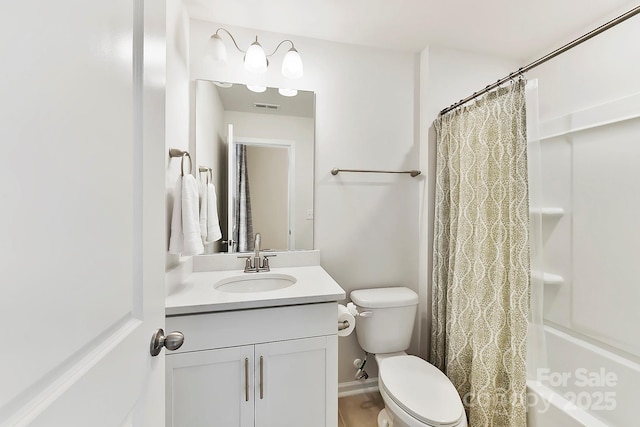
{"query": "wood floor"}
(360, 410)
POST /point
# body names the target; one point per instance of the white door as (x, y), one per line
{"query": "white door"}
(210, 388)
(82, 212)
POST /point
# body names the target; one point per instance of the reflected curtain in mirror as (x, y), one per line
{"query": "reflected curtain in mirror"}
(243, 231)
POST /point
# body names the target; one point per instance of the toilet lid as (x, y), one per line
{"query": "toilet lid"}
(421, 389)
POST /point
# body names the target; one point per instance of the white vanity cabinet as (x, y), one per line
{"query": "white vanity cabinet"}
(262, 367)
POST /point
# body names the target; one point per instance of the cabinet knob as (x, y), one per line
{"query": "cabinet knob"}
(172, 341)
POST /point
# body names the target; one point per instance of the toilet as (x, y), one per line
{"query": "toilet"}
(415, 393)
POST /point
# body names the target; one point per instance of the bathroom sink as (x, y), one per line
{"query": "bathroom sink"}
(258, 282)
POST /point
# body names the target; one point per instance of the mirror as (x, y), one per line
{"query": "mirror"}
(258, 151)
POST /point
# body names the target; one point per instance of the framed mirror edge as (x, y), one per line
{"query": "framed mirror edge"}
(296, 214)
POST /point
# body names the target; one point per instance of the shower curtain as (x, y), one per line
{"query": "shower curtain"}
(481, 256)
(243, 234)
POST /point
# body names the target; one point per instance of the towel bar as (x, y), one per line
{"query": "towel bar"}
(209, 170)
(175, 152)
(336, 171)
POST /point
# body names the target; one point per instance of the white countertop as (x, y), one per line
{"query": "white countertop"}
(196, 294)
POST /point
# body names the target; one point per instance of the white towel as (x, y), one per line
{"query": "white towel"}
(213, 223)
(203, 210)
(176, 240)
(185, 225)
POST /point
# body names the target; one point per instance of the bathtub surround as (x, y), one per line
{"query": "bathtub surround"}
(481, 256)
(590, 156)
(536, 343)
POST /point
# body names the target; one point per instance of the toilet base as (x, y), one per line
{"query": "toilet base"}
(384, 420)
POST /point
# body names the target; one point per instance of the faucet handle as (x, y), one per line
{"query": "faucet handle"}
(265, 261)
(247, 264)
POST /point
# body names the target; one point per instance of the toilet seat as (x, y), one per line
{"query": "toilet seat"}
(421, 390)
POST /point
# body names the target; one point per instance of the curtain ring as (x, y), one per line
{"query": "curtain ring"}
(185, 154)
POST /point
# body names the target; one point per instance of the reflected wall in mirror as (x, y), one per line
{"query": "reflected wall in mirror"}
(260, 147)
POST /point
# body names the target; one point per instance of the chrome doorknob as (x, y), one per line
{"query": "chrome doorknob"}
(172, 341)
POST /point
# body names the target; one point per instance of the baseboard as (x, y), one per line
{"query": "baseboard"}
(356, 387)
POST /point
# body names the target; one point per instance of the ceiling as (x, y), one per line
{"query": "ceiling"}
(515, 29)
(239, 98)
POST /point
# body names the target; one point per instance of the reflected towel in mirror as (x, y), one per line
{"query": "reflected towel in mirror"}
(204, 206)
(213, 223)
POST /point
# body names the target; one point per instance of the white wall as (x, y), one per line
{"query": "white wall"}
(374, 109)
(366, 226)
(268, 169)
(177, 102)
(446, 76)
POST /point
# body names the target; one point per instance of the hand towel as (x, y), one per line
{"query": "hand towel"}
(176, 240)
(190, 218)
(185, 225)
(213, 223)
(202, 187)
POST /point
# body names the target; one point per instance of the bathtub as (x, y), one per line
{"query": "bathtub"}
(548, 408)
(584, 385)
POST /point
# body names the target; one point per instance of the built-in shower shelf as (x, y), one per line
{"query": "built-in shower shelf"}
(549, 278)
(548, 212)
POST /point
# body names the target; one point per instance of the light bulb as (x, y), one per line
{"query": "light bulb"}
(256, 88)
(216, 48)
(288, 92)
(292, 64)
(255, 60)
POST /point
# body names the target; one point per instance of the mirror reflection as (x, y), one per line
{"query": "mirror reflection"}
(260, 148)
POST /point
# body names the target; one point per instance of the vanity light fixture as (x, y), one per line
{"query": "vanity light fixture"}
(288, 92)
(256, 88)
(255, 59)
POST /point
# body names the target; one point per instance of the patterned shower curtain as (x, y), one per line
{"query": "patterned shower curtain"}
(243, 231)
(481, 256)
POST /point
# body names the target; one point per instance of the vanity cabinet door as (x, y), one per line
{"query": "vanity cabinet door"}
(210, 388)
(295, 383)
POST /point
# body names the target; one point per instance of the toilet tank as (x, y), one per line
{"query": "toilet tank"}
(389, 327)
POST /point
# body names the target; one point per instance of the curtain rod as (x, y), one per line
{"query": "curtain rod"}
(547, 57)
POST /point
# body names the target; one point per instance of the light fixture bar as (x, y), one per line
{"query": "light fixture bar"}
(278, 47)
(232, 38)
(255, 59)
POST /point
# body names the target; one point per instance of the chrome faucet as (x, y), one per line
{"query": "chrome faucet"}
(255, 264)
(256, 249)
